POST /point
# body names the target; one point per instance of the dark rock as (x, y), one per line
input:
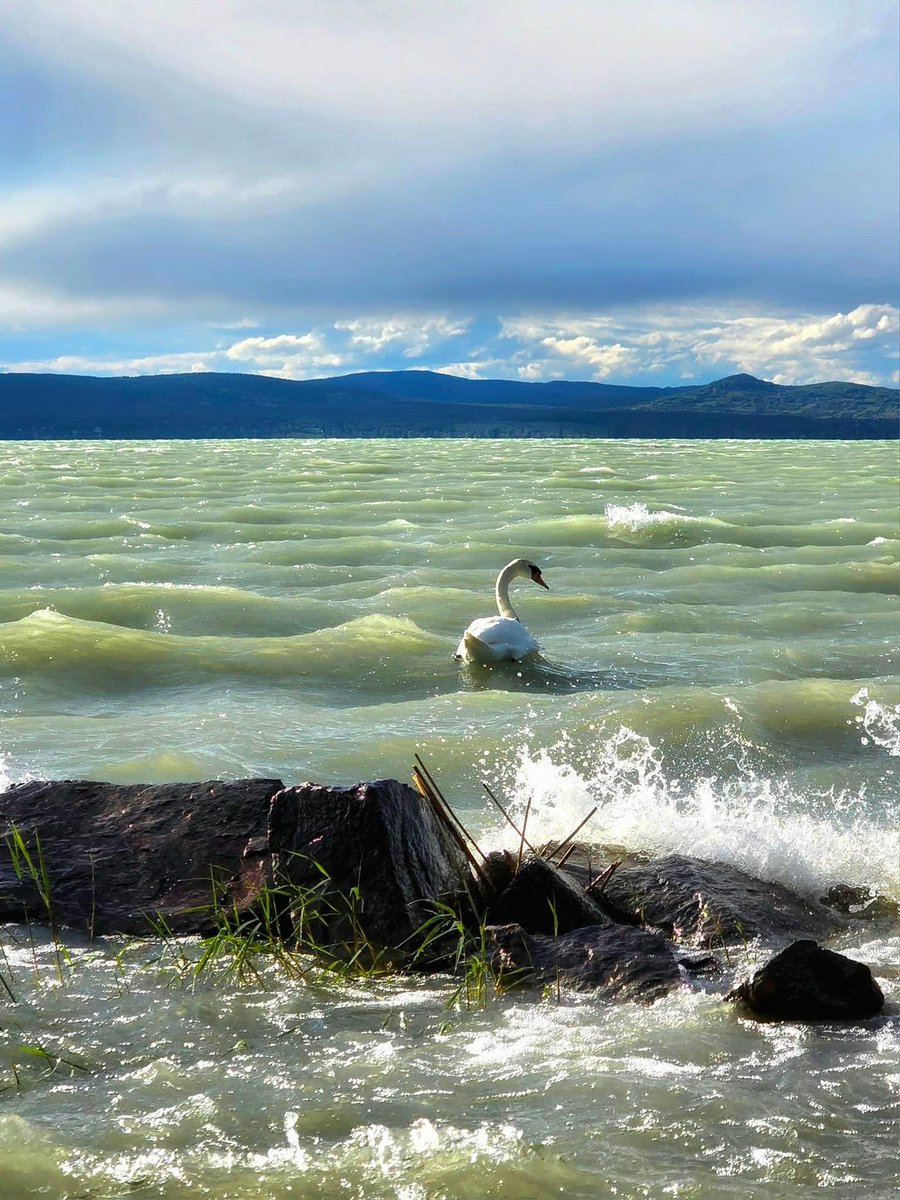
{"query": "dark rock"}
(118, 854)
(808, 983)
(618, 962)
(712, 904)
(499, 870)
(543, 899)
(378, 859)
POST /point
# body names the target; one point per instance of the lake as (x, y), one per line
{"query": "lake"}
(718, 676)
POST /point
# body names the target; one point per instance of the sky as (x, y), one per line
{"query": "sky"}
(630, 191)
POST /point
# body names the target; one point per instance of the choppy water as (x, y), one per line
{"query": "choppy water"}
(717, 676)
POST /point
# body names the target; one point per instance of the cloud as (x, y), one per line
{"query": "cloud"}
(383, 180)
(286, 356)
(603, 360)
(310, 162)
(80, 364)
(649, 345)
(857, 345)
(518, 69)
(414, 336)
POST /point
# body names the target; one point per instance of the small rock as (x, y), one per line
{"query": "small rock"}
(806, 982)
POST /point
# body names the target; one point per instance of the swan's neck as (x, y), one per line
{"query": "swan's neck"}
(501, 591)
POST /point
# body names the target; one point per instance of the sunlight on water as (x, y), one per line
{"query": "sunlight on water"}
(718, 677)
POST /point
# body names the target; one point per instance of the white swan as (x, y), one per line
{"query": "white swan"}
(503, 638)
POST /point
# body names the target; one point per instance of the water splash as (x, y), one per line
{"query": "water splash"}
(760, 824)
(880, 723)
(634, 517)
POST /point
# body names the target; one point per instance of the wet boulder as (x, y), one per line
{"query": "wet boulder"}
(119, 856)
(617, 962)
(362, 869)
(806, 982)
(711, 904)
(498, 871)
(543, 899)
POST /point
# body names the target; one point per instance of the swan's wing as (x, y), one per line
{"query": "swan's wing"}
(494, 639)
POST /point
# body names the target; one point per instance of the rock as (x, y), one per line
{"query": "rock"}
(805, 982)
(543, 899)
(378, 859)
(711, 904)
(618, 962)
(117, 854)
(499, 869)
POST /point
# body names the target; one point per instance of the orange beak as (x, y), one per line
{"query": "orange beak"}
(539, 579)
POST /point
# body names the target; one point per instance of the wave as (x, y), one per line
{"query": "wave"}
(186, 608)
(640, 524)
(90, 655)
(759, 822)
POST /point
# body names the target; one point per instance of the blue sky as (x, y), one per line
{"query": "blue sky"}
(650, 191)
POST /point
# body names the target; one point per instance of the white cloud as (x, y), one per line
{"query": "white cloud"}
(80, 364)
(24, 307)
(698, 342)
(652, 345)
(466, 370)
(415, 335)
(303, 160)
(515, 67)
(287, 355)
(260, 349)
(603, 360)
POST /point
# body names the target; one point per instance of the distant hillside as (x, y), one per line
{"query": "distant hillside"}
(428, 404)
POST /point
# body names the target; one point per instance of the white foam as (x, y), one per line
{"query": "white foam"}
(756, 823)
(638, 516)
(6, 779)
(880, 723)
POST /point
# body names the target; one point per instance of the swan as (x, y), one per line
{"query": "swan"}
(503, 638)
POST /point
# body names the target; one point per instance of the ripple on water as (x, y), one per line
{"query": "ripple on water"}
(715, 679)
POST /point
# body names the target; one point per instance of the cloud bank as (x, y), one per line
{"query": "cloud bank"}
(651, 347)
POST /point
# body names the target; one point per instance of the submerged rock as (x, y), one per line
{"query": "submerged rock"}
(861, 903)
(543, 899)
(363, 867)
(617, 962)
(118, 855)
(806, 982)
(710, 904)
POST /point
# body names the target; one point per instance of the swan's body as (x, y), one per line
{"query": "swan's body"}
(502, 638)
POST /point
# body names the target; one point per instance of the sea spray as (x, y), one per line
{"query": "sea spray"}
(758, 823)
(879, 723)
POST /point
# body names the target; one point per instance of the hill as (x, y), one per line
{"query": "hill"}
(429, 404)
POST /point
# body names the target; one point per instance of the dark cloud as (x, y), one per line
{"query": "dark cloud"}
(738, 216)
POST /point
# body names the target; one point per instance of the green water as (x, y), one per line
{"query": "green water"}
(718, 675)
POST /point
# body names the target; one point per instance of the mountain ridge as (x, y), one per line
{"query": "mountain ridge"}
(433, 404)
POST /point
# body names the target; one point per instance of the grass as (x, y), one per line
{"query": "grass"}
(306, 933)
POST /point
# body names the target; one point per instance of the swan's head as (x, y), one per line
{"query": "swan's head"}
(524, 569)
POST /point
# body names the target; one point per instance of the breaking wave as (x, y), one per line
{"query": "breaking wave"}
(763, 825)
